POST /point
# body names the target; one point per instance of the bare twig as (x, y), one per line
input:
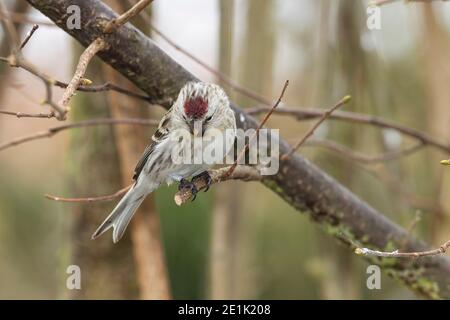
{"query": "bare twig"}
(49, 81)
(410, 228)
(361, 157)
(16, 59)
(106, 87)
(20, 62)
(395, 254)
(310, 132)
(255, 134)
(87, 123)
(309, 114)
(28, 36)
(97, 45)
(109, 197)
(125, 17)
(28, 115)
(244, 173)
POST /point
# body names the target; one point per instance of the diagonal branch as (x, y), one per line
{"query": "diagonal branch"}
(28, 36)
(255, 134)
(127, 16)
(310, 132)
(96, 46)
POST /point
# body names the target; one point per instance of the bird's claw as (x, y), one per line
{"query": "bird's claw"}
(204, 176)
(186, 184)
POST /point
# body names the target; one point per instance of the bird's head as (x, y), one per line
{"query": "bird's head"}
(202, 106)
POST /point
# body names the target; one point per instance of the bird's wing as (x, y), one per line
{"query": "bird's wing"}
(159, 135)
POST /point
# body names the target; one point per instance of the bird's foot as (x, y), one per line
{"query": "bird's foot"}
(188, 185)
(206, 177)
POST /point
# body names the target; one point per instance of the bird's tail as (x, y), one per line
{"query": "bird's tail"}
(120, 217)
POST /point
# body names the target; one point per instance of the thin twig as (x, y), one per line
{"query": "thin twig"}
(244, 173)
(255, 134)
(106, 87)
(16, 59)
(20, 62)
(109, 197)
(361, 157)
(127, 16)
(28, 36)
(97, 45)
(412, 225)
(395, 254)
(87, 123)
(28, 115)
(49, 81)
(309, 114)
(310, 132)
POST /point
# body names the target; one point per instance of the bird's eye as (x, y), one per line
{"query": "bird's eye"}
(208, 119)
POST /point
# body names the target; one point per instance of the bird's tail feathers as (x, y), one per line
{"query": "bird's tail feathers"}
(120, 217)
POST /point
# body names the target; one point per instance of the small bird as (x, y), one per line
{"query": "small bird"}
(201, 110)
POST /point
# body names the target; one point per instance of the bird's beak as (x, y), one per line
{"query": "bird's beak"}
(196, 128)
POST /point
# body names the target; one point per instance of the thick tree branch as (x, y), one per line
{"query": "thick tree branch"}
(298, 182)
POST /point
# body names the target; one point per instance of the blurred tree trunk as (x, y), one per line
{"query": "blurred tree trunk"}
(144, 229)
(131, 141)
(107, 269)
(352, 66)
(435, 56)
(221, 259)
(255, 72)
(258, 49)
(18, 6)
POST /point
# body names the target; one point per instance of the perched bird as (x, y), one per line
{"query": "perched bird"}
(201, 111)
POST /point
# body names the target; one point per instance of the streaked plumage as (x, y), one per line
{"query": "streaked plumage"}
(197, 101)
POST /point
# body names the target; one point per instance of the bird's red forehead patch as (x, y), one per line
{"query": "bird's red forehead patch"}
(195, 107)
